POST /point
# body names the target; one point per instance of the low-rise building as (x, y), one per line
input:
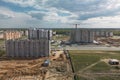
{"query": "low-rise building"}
(1, 35)
(12, 35)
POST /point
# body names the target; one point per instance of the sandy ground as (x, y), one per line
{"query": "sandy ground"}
(33, 70)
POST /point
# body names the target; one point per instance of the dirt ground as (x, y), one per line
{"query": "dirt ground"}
(110, 41)
(33, 70)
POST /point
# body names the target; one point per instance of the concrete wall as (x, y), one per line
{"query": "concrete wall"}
(81, 36)
(36, 34)
(28, 48)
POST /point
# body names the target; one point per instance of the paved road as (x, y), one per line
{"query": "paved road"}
(89, 47)
(93, 48)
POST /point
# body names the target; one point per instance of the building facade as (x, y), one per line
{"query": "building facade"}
(36, 34)
(1, 34)
(28, 48)
(103, 33)
(81, 36)
(12, 35)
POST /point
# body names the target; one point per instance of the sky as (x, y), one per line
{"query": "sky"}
(59, 13)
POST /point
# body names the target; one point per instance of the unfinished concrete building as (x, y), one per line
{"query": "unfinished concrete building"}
(8, 35)
(28, 48)
(36, 34)
(103, 33)
(82, 36)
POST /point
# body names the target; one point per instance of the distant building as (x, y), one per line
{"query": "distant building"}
(28, 48)
(12, 35)
(54, 33)
(36, 34)
(81, 36)
(25, 32)
(103, 33)
(1, 35)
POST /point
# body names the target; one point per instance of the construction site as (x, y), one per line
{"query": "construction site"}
(33, 58)
(109, 41)
(57, 69)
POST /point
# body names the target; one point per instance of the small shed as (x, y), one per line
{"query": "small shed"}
(114, 62)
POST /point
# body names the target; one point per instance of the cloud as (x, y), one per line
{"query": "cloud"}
(76, 5)
(5, 13)
(103, 22)
(23, 3)
(62, 16)
(85, 9)
(44, 13)
(49, 13)
(54, 15)
(88, 8)
(37, 14)
(13, 19)
(24, 20)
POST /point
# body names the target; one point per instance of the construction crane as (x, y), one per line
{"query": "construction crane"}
(75, 31)
(76, 25)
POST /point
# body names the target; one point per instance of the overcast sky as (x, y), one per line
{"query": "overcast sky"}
(59, 13)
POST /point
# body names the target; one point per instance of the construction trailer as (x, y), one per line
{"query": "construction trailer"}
(114, 62)
(28, 48)
(81, 36)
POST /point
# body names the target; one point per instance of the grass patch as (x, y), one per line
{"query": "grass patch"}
(2, 41)
(81, 78)
(2, 52)
(108, 78)
(82, 59)
(100, 67)
(100, 78)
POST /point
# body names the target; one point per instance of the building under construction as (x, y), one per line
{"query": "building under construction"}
(82, 36)
(36, 34)
(87, 35)
(37, 45)
(28, 48)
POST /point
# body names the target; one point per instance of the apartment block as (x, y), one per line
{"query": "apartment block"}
(28, 48)
(36, 34)
(8, 35)
(103, 33)
(82, 36)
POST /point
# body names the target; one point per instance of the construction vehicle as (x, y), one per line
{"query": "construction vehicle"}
(46, 63)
